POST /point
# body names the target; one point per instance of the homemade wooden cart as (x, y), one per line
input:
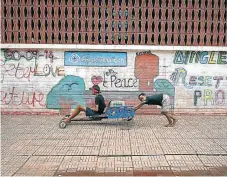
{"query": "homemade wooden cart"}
(114, 110)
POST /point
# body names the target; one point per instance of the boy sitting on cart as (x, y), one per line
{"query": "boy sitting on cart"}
(97, 110)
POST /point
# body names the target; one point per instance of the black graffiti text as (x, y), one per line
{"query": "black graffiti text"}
(117, 82)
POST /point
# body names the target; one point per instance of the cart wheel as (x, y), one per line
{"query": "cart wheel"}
(62, 125)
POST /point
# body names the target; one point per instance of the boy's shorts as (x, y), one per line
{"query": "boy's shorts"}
(166, 106)
(90, 112)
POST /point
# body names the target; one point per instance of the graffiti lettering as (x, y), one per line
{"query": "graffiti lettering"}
(16, 70)
(209, 97)
(17, 98)
(144, 52)
(200, 81)
(197, 94)
(48, 69)
(220, 97)
(19, 72)
(118, 82)
(218, 79)
(122, 82)
(49, 54)
(181, 74)
(200, 57)
(28, 55)
(17, 55)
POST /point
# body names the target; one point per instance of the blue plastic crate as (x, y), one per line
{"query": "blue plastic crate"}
(120, 112)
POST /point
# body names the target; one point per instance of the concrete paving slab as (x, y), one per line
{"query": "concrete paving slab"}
(36, 146)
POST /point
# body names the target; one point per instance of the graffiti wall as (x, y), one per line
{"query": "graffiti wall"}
(56, 81)
(201, 80)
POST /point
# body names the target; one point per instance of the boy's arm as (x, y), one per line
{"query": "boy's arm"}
(139, 105)
(96, 108)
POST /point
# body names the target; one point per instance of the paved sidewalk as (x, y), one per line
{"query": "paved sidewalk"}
(36, 146)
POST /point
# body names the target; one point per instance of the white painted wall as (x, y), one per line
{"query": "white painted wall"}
(24, 87)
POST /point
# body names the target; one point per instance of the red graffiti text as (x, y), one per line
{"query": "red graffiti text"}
(16, 98)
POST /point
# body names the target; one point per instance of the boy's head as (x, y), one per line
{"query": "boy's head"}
(95, 89)
(142, 97)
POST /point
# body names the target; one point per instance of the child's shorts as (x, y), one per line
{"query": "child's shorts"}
(90, 112)
(166, 106)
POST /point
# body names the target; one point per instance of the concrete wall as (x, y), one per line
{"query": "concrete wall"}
(39, 81)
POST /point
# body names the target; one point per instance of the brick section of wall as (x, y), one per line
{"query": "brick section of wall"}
(118, 22)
